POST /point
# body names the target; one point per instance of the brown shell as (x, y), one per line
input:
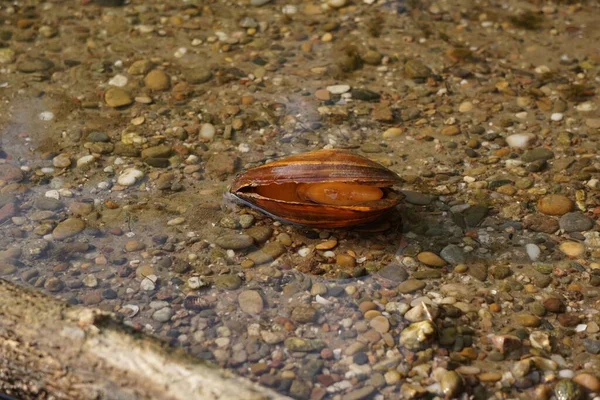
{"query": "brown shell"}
(318, 167)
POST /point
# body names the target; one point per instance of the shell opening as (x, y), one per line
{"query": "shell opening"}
(330, 193)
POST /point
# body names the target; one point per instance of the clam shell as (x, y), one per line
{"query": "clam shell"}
(318, 167)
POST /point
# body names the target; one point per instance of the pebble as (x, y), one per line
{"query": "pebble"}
(391, 133)
(157, 79)
(364, 392)
(572, 249)
(130, 176)
(451, 384)
(537, 154)
(431, 259)
(527, 320)
(410, 286)
(338, 89)
(417, 334)
(589, 381)
(554, 204)
(453, 254)
(61, 161)
(575, 222)
(520, 140)
(68, 228)
(117, 97)
(234, 241)
(393, 272)
(567, 390)
(533, 251)
(85, 161)
(250, 302)
(207, 131)
(380, 323)
(163, 314)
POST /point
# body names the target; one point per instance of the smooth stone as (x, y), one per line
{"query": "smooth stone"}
(61, 161)
(410, 286)
(140, 67)
(540, 223)
(303, 314)
(537, 154)
(303, 345)
(270, 252)
(566, 389)
(234, 241)
(417, 198)
(431, 259)
(228, 281)
(575, 222)
(157, 79)
(68, 228)
(416, 69)
(589, 381)
(11, 173)
(453, 254)
(572, 249)
(359, 394)
(130, 176)
(393, 272)
(163, 314)
(117, 97)
(520, 140)
(554, 204)
(260, 233)
(527, 320)
(338, 89)
(380, 323)
(478, 271)
(251, 302)
(417, 334)
(533, 251)
(451, 384)
(198, 75)
(207, 131)
(47, 203)
(161, 151)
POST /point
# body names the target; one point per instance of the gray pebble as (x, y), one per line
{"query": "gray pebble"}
(575, 222)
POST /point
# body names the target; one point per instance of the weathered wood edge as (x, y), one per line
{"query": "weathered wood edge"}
(49, 350)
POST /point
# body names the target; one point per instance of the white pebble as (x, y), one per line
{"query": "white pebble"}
(566, 374)
(207, 131)
(329, 254)
(180, 52)
(47, 170)
(338, 89)
(556, 117)
(533, 251)
(118, 81)
(581, 328)
(289, 9)
(103, 185)
(176, 221)
(65, 192)
(520, 140)
(149, 283)
(46, 116)
(133, 310)
(53, 194)
(585, 107)
(521, 115)
(303, 252)
(85, 160)
(129, 177)
(244, 148)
